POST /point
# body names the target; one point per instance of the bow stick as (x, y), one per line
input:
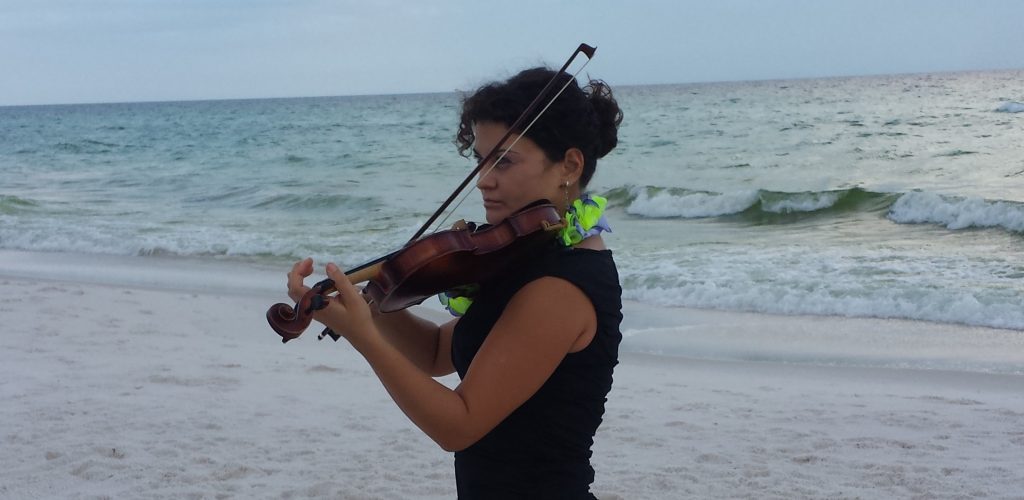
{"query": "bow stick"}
(586, 50)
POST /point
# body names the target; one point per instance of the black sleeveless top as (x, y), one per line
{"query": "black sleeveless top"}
(542, 449)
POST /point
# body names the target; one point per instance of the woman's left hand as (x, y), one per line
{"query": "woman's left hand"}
(347, 313)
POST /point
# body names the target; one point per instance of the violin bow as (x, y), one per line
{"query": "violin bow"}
(316, 299)
(584, 49)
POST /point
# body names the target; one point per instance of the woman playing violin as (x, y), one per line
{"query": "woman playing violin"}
(536, 347)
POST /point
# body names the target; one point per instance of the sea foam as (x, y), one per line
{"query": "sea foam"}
(690, 204)
(828, 283)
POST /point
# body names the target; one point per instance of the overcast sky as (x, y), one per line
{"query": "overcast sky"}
(65, 51)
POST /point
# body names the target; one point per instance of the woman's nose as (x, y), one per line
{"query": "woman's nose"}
(485, 181)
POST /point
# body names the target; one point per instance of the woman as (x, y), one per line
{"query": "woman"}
(536, 348)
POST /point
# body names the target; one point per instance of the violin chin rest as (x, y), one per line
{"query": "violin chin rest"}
(558, 226)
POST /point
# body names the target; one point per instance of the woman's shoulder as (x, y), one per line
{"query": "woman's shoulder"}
(586, 260)
(584, 267)
(592, 271)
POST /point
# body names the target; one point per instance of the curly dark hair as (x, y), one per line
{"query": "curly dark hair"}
(586, 118)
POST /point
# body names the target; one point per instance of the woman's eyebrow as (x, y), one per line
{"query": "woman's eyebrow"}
(504, 151)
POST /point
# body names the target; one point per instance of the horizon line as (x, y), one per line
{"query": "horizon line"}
(455, 91)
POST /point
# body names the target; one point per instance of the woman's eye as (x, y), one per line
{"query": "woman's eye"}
(501, 163)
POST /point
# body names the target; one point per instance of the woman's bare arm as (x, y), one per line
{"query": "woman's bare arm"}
(541, 324)
(425, 343)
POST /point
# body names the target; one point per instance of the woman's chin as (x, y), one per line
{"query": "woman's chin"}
(495, 215)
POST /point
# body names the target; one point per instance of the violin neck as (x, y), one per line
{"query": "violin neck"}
(369, 264)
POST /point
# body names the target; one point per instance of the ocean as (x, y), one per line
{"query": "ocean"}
(897, 196)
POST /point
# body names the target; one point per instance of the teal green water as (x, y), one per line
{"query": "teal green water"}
(891, 196)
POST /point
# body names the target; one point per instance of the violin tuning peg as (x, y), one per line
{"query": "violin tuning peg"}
(329, 333)
(317, 302)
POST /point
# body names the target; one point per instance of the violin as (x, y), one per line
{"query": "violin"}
(444, 260)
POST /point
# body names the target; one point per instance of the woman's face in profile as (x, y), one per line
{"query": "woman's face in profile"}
(523, 176)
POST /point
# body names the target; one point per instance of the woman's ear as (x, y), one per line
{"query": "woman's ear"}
(572, 165)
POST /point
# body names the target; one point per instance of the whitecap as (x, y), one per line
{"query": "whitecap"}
(802, 202)
(957, 213)
(691, 204)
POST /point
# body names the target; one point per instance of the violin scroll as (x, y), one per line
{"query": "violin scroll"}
(289, 322)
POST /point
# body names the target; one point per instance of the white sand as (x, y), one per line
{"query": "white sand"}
(114, 392)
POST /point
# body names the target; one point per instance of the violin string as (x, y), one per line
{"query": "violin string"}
(510, 146)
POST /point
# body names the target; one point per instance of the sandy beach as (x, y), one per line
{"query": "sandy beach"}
(144, 391)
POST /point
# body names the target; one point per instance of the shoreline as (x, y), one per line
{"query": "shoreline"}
(676, 332)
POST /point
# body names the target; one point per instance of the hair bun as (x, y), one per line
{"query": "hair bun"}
(607, 113)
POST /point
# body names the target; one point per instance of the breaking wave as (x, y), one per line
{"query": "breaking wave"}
(775, 207)
(954, 212)
(756, 205)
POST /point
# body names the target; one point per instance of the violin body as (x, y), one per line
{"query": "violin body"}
(450, 259)
(433, 264)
